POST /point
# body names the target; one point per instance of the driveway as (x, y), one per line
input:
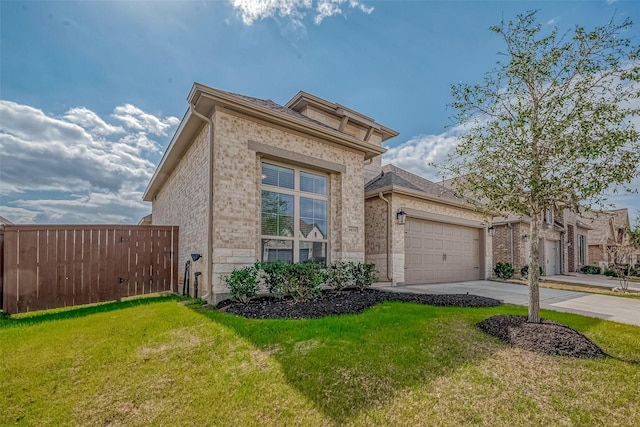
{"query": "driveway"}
(617, 309)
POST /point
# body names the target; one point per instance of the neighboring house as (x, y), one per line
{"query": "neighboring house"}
(608, 228)
(5, 221)
(247, 179)
(562, 242)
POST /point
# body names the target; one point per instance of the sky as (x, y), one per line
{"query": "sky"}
(91, 92)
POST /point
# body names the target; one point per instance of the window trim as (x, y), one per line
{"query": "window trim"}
(297, 195)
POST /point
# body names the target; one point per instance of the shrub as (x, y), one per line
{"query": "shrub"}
(363, 274)
(305, 280)
(624, 269)
(524, 271)
(341, 275)
(338, 276)
(503, 270)
(590, 269)
(243, 283)
(276, 277)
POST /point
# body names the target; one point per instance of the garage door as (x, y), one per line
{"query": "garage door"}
(436, 252)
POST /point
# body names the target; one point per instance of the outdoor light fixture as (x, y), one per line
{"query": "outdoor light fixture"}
(195, 257)
(401, 216)
(491, 230)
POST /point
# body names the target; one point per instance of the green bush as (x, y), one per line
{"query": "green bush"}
(276, 277)
(590, 269)
(503, 270)
(363, 274)
(243, 283)
(524, 271)
(305, 280)
(341, 275)
(338, 276)
(626, 269)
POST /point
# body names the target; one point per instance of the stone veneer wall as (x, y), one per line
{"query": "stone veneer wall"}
(183, 201)
(375, 235)
(236, 193)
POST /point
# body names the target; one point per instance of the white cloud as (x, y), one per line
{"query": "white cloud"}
(295, 10)
(90, 120)
(416, 154)
(134, 118)
(63, 169)
(123, 206)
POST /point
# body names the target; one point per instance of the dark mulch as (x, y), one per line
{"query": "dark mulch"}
(547, 337)
(349, 301)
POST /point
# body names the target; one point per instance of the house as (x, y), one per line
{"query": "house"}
(248, 179)
(562, 241)
(608, 228)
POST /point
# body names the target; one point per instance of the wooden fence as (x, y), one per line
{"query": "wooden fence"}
(47, 266)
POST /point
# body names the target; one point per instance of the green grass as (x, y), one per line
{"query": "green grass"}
(160, 361)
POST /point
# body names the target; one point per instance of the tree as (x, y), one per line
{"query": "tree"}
(550, 127)
(634, 233)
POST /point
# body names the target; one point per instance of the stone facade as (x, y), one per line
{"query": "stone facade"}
(184, 201)
(236, 192)
(210, 185)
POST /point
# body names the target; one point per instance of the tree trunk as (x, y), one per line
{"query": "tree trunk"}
(534, 269)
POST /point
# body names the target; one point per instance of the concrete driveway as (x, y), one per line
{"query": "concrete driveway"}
(617, 309)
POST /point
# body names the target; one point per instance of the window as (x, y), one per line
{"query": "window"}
(582, 255)
(294, 215)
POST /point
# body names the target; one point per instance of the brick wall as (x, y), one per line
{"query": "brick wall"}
(571, 248)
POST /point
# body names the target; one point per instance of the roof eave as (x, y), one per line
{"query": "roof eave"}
(419, 194)
(199, 92)
(249, 108)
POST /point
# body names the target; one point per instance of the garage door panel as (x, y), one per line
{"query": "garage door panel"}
(427, 241)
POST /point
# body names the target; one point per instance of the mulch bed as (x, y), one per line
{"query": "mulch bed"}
(547, 337)
(350, 301)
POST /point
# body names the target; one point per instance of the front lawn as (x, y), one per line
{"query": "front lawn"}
(160, 362)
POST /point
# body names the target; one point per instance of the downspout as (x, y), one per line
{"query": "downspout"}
(210, 204)
(389, 224)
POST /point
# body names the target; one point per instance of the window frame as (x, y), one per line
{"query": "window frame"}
(582, 250)
(297, 194)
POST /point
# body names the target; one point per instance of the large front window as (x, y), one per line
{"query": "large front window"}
(294, 215)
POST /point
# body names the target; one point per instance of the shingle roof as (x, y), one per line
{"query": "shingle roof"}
(422, 184)
(386, 179)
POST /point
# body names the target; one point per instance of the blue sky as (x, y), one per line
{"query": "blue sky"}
(92, 91)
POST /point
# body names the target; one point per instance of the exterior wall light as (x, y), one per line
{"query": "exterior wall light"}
(401, 216)
(195, 257)
(491, 230)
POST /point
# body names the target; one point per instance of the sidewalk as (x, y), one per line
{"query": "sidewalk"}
(591, 279)
(617, 309)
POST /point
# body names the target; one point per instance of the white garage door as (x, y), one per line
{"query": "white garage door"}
(436, 252)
